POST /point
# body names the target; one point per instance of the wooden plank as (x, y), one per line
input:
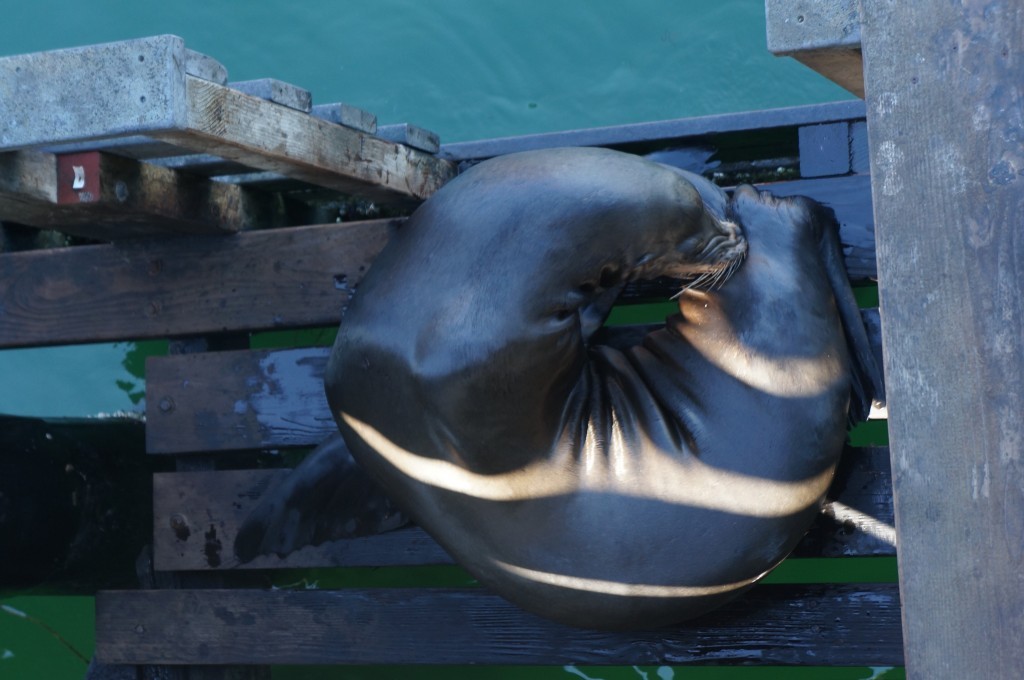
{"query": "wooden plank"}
(824, 150)
(237, 401)
(860, 160)
(212, 166)
(188, 292)
(843, 67)
(196, 516)
(301, 276)
(411, 135)
(857, 517)
(944, 103)
(645, 137)
(263, 135)
(277, 91)
(171, 156)
(119, 197)
(840, 625)
(824, 36)
(347, 115)
(27, 179)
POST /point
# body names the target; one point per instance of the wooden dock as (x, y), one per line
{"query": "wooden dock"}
(145, 156)
(207, 278)
(202, 243)
(204, 205)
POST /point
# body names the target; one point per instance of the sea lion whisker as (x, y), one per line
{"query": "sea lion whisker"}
(693, 283)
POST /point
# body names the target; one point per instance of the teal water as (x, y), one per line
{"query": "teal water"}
(467, 70)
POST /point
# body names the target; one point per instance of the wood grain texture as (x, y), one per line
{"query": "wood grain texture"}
(857, 518)
(260, 134)
(665, 134)
(236, 401)
(824, 150)
(255, 280)
(944, 119)
(196, 516)
(241, 400)
(792, 625)
(123, 198)
(844, 67)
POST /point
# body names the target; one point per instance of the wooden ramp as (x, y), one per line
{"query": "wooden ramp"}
(184, 159)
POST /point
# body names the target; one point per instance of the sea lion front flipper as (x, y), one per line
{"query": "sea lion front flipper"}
(326, 497)
(865, 373)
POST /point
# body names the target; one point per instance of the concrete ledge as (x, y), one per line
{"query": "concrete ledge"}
(821, 34)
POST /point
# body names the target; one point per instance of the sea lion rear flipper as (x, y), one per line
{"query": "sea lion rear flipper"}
(326, 497)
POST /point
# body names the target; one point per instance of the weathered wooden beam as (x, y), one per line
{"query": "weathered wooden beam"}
(215, 284)
(212, 166)
(411, 135)
(277, 91)
(294, 277)
(825, 149)
(196, 516)
(824, 35)
(347, 115)
(857, 517)
(105, 197)
(268, 136)
(164, 101)
(646, 137)
(840, 625)
(947, 168)
(237, 400)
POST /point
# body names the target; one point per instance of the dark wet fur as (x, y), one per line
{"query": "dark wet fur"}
(866, 384)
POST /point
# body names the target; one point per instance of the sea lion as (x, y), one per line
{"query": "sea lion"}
(595, 486)
(326, 498)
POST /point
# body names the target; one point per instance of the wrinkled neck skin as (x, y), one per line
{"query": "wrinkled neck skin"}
(598, 487)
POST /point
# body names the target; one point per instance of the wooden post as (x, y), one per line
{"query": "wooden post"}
(946, 128)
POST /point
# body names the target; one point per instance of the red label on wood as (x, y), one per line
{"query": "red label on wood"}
(78, 178)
